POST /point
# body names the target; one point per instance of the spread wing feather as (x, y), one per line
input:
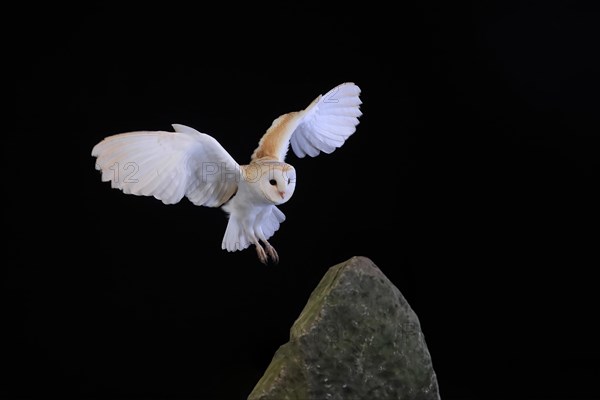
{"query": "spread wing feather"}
(169, 166)
(323, 126)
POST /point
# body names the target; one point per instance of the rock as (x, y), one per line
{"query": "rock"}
(357, 338)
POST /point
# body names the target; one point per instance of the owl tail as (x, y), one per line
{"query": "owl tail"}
(243, 231)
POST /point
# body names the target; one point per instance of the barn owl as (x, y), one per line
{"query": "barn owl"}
(187, 163)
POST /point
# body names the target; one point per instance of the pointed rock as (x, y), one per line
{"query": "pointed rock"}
(357, 338)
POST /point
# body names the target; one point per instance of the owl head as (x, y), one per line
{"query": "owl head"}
(277, 181)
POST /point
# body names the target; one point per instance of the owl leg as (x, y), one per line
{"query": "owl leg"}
(272, 253)
(262, 256)
(260, 251)
(270, 249)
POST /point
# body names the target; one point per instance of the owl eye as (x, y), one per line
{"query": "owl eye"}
(273, 182)
(289, 180)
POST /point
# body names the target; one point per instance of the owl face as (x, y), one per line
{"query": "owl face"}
(277, 182)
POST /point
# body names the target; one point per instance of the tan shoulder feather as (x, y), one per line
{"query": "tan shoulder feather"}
(275, 142)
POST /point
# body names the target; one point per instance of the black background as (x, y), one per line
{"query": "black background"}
(471, 182)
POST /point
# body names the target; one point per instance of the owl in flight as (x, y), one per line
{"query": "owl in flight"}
(171, 165)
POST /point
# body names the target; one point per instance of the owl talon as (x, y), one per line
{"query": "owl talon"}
(262, 256)
(272, 253)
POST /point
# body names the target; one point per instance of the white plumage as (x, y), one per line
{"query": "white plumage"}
(187, 163)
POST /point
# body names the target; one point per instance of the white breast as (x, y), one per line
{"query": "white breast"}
(251, 218)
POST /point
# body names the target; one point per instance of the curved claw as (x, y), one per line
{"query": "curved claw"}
(272, 253)
(262, 256)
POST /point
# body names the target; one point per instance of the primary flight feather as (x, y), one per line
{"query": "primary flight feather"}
(187, 163)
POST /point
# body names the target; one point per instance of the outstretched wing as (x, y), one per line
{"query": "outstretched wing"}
(323, 126)
(169, 165)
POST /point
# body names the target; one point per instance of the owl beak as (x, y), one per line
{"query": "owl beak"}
(282, 194)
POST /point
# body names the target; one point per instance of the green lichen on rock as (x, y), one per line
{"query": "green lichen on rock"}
(357, 338)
